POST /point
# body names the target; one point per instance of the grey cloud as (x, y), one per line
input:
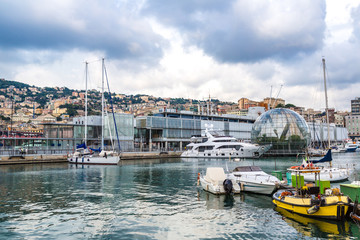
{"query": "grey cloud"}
(229, 30)
(111, 30)
(355, 14)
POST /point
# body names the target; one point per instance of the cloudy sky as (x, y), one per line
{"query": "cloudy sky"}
(228, 49)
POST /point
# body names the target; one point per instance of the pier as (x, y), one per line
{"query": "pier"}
(59, 158)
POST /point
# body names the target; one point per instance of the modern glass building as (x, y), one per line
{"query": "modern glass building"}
(172, 130)
(284, 129)
(67, 136)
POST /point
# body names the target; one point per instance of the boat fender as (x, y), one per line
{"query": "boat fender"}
(286, 193)
(241, 186)
(313, 209)
(336, 191)
(228, 186)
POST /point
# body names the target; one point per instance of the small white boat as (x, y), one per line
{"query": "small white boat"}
(351, 147)
(103, 158)
(253, 179)
(217, 182)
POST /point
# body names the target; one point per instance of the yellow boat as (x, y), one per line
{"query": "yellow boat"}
(307, 200)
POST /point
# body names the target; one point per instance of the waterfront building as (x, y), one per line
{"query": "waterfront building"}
(290, 134)
(271, 102)
(355, 106)
(353, 126)
(353, 121)
(165, 130)
(284, 129)
(170, 129)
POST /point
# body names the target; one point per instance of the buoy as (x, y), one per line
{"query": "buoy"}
(313, 209)
(198, 179)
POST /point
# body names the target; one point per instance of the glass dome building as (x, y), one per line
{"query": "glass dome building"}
(284, 129)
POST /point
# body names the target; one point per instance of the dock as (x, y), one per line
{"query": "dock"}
(62, 158)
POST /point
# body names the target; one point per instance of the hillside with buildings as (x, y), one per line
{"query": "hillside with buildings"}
(24, 108)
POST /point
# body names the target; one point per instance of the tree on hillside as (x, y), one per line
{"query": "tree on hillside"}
(289, 105)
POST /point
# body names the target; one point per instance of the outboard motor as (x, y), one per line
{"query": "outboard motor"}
(228, 186)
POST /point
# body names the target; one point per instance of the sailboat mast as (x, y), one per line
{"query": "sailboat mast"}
(102, 105)
(86, 100)
(327, 107)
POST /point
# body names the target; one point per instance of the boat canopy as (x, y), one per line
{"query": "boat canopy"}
(326, 158)
(82, 145)
(247, 169)
(95, 149)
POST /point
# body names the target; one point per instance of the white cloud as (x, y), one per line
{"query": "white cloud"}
(197, 50)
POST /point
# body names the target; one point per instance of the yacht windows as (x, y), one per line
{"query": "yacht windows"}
(189, 147)
(203, 148)
(204, 140)
(237, 147)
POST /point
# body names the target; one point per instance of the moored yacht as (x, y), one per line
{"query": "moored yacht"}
(217, 146)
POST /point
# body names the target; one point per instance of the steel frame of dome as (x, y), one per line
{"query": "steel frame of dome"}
(284, 129)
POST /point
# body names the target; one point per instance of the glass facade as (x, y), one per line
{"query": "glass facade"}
(286, 130)
(174, 131)
(125, 129)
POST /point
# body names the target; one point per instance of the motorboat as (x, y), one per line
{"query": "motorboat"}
(351, 147)
(217, 182)
(253, 179)
(216, 146)
(327, 173)
(308, 201)
(338, 149)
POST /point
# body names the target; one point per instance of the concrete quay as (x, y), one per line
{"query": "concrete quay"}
(61, 158)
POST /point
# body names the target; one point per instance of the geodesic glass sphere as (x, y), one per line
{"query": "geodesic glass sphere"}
(284, 129)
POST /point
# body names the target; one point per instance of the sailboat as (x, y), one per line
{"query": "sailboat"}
(327, 173)
(85, 155)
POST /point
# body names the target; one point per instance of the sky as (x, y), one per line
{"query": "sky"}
(188, 49)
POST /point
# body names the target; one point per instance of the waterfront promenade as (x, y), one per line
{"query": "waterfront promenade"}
(58, 158)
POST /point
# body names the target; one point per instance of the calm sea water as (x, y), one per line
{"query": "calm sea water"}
(155, 199)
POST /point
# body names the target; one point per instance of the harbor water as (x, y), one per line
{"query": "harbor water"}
(150, 199)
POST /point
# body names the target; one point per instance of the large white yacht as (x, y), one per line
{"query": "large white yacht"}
(216, 146)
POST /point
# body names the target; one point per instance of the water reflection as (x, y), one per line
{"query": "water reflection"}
(309, 226)
(213, 201)
(147, 199)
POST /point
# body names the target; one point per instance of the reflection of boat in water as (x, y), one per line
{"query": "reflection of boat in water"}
(217, 182)
(217, 201)
(302, 223)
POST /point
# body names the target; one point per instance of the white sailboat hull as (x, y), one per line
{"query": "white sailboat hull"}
(327, 174)
(98, 160)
